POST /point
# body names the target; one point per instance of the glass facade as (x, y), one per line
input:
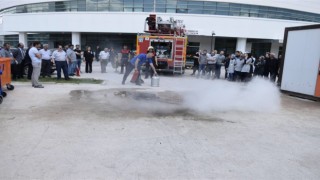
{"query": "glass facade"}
(167, 6)
(87, 39)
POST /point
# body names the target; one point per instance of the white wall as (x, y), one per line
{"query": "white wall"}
(205, 42)
(302, 56)
(224, 26)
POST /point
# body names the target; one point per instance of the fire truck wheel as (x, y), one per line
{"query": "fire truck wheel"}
(1, 99)
(4, 94)
(10, 87)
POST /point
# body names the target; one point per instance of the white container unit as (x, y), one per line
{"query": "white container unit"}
(300, 69)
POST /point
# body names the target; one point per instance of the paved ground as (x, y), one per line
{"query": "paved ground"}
(186, 129)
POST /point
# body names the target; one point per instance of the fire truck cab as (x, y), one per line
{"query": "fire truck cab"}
(169, 42)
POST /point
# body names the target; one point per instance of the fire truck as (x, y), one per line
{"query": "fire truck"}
(168, 40)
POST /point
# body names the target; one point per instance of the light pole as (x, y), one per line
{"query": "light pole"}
(212, 34)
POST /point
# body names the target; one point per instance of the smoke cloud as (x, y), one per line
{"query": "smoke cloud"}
(259, 95)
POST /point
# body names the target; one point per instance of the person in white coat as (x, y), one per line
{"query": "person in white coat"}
(246, 68)
(104, 58)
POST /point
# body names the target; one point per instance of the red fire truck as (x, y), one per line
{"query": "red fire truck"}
(168, 40)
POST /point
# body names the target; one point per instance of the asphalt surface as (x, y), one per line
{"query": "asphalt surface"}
(187, 128)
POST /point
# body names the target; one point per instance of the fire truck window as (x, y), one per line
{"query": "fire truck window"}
(163, 49)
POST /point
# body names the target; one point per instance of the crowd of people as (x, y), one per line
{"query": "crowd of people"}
(39, 59)
(238, 66)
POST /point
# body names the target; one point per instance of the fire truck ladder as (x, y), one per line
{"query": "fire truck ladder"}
(178, 62)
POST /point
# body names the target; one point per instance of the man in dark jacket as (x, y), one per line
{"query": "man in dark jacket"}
(273, 67)
(18, 54)
(27, 62)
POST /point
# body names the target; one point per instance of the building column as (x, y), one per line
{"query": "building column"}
(241, 44)
(76, 38)
(248, 47)
(23, 38)
(275, 45)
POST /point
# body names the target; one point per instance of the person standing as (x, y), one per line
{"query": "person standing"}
(46, 61)
(226, 66)
(220, 58)
(97, 52)
(27, 62)
(259, 66)
(267, 65)
(149, 70)
(238, 66)
(231, 67)
(195, 63)
(202, 63)
(112, 58)
(211, 62)
(124, 57)
(136, 63)
(273, 67)
(36, 64)
(60, 58)
(246, 75)
(104, 58)
(88, 58)
(78, 55)
(6, 52)
(18, 54)
(72, 60)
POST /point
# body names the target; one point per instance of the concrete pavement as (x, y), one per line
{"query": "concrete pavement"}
(186, 129)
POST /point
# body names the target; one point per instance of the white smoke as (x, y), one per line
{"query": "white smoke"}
(259, 95)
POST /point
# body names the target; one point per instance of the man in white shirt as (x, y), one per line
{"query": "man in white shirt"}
(104, 58)
(46, 61)
(60, 58)
(36, 64)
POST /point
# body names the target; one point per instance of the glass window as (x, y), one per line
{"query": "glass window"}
(128, 9)
(116, 5)
(160, 9)
(183, 11)
(209, 12)
(148, 3)
(73, 6)
(51, 6)
(91, 5)
(209, 3)
(128, 3)
(145, 9)
(103, 7)
(195, 7)
(160, 6)
(195, 11)
(60, 6)
(172, 4)
(138, 9)
(21, 9)
(138, 3)
(182, 4)
(171, 10)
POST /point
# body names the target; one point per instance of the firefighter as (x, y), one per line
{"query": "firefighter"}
(136, 63)
(125, 52)
(149, 71)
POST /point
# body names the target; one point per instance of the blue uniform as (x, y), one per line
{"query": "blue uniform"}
(143, 59)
